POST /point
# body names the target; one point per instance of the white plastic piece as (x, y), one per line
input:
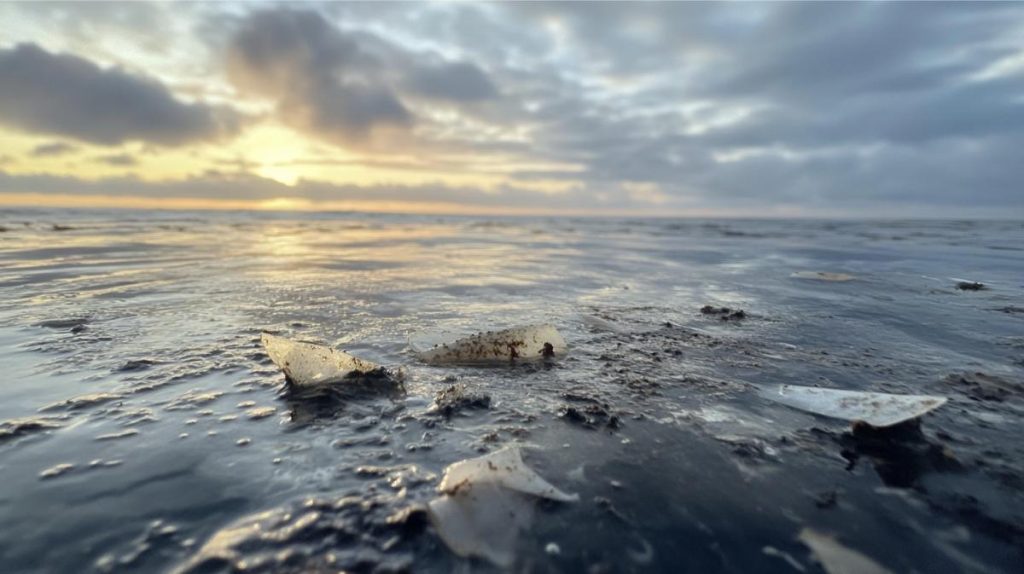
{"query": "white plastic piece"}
(822, 276)
(486, 502)
(527, 343)
(875, 409)
(838, 559)
(306, 364)
(505, 468)
(484, 521)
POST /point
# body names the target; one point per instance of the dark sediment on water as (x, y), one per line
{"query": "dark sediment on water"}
(160, 437)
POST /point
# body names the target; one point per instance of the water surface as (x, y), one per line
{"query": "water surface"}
(131, 352)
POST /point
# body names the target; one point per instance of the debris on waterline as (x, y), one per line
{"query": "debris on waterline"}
(486, 502)
(527, 343)
(724, 313)
(456, 398)
(875, 409)
(838, 559)
(822, 276)
(306, 364)
(971, 286)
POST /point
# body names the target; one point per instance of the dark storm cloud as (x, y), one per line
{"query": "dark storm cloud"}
(52, 149)
(824, 104)
(459, 82)
(321, 79)
(340, 85)
(73, 97)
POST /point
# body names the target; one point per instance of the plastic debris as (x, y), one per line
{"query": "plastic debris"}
(822, 276)
(875, 409)
(528, 343)
(306, 364)
(838, 559)
(486, 502)
(971, 286)
(505, 468)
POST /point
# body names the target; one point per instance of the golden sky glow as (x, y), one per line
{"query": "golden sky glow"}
(636, 108)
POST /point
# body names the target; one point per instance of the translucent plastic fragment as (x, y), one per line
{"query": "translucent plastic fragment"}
(484, 521)
(505, 468)
(875, 409)
(528, 343)
(822, 276)
(306, 364)
(838, 559)
(486, 502)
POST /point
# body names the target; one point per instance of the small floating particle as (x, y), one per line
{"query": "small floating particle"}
(772, 551)
(836, 558)
(104, 463)
(260, 412)
(243, 441)
(552, 549)
(724, 313)
(135, 365)
(82, 401)
(56, 470)
(192, 399)
(277, 460)
(822, 276)
(971, 286)
(116, 435)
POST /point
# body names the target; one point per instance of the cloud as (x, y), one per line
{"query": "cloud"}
(117, 160)
(235, 186)
(338, 85)
(826, 106)
(52, 149)
(65, 95)
(897, 107)
(319, 77)
(457, 82)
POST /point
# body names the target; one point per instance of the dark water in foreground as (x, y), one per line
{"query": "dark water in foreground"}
(130, 350)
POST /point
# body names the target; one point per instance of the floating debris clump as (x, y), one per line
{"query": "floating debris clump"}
(529, 343)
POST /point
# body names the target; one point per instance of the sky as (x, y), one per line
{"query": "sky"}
(876, 109)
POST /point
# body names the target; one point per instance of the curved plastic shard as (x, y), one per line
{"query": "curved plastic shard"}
(306, 364)
(527, 343)
(822, 276)
(838, 559)
(486, 502)
(504, 468)
(484, 521)
(875, 409)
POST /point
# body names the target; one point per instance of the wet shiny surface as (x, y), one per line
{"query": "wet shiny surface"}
(131, 353)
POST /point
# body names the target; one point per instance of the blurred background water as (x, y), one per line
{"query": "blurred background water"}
(131, 353)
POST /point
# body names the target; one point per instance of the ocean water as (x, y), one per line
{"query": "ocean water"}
(143, 429)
